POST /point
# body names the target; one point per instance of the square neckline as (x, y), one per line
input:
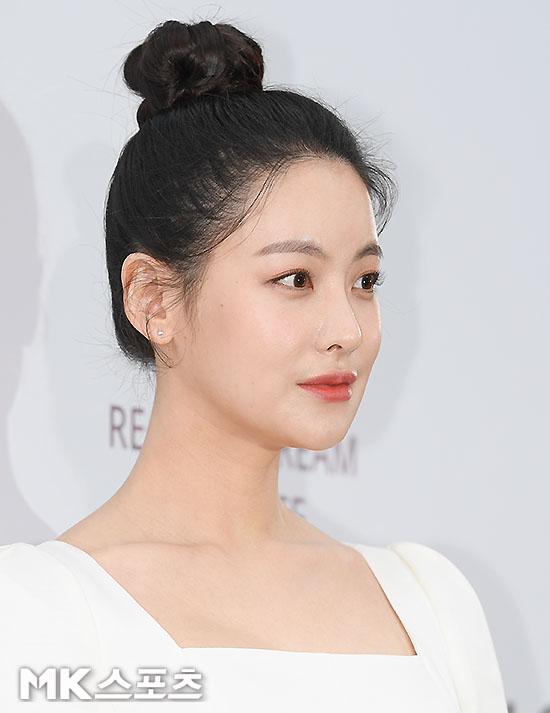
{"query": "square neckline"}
(162, 632)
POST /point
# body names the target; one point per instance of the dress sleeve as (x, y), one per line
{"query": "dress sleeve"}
(44, 621)
(470, 649)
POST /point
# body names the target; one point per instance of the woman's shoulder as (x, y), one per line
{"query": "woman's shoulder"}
(45, 622)
(468, 641)
(434, 569)
(28, 570)
(15, 554)
(450, 592)
(42, 605)
(446, 585)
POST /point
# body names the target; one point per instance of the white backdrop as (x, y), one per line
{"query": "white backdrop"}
(449, 447)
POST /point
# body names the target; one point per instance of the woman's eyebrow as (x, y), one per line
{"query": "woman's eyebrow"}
(310, 247)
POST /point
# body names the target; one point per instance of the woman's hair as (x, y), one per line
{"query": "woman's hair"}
(211, 141)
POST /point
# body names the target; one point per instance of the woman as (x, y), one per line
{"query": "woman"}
(242, 249)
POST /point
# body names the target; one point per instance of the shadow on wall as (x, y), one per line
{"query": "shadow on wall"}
(91, 373)
(19, 292)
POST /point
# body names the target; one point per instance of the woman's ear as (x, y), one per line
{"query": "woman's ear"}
(143, 294)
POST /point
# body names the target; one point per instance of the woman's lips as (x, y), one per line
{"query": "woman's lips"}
(333, 386)
(340, 392)
(332, 378)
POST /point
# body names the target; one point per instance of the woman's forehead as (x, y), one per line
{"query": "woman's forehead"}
(315, 202)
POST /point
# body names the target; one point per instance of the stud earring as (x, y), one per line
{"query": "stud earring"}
(160, 332)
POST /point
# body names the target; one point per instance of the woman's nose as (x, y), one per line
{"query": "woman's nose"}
(338, 326)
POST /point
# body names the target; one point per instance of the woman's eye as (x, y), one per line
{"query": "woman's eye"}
(300, 277)
(370, 279)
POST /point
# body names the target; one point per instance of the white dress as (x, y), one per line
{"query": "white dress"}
(63, 615)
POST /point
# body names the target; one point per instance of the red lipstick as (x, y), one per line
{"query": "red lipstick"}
(333, 386)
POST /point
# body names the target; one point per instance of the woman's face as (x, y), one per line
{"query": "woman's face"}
(258, 337)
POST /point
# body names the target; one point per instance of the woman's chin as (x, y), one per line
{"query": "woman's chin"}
(318, 441)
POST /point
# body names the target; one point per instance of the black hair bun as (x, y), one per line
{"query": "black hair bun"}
(179, 61)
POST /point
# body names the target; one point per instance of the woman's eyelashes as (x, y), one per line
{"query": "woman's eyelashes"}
(368, 280)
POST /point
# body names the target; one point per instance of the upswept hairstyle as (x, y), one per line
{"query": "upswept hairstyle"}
(209, 135)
